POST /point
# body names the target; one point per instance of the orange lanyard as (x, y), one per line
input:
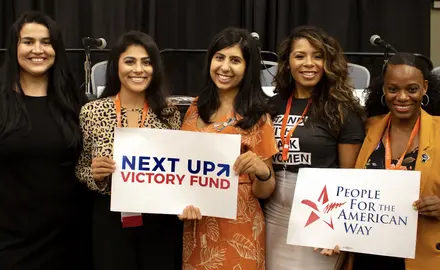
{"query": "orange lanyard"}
(286, 140)
(118, 111)
(388, 145)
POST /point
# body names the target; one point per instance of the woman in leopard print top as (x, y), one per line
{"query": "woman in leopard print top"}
(136, 91)
(98, 122)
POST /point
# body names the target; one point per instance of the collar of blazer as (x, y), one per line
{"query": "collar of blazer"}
(375, 129)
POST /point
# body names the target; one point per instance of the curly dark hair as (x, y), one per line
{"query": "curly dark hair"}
(333, 95)
(374, 93)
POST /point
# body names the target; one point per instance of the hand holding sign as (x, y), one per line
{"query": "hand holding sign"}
(249, 162)
(329, 252)
(190, 212)
(428, 206)
(102, 167)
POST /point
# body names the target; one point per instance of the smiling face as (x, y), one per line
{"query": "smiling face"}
(306, 64)
(404, 87)
(227, 68)
(35, 53)
(134, 69)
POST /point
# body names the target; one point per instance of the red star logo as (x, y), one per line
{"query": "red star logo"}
(323, 199)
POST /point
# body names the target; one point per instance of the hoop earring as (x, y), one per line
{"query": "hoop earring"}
(427, 100)
(382, 100)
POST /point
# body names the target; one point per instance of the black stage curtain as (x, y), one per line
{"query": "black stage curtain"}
(191, 24)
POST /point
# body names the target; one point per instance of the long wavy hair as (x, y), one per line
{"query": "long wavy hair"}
(157, 92)
(374, 93)
(64, 97)
(250, 101)
(333, 96)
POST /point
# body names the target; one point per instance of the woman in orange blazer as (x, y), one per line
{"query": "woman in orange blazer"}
(402, 134)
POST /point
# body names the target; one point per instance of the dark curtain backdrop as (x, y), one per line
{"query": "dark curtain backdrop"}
(192, 24)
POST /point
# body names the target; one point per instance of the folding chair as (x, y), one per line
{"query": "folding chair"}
(360, 79)
(98, 78)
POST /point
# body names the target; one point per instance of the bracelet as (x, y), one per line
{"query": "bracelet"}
(267, 178)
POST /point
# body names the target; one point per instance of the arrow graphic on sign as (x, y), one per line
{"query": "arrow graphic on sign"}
(224, 169)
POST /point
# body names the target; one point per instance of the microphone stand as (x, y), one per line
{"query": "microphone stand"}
(388, 49)
(387, 53)
(88, 70)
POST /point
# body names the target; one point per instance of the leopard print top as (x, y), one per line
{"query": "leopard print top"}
(98, 122)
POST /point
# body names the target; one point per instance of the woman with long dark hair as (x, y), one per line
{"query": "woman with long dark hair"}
(318, 125)
(135, 95)
(40, 141)
(232, 102)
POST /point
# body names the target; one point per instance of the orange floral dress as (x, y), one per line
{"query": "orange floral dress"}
(218, 243)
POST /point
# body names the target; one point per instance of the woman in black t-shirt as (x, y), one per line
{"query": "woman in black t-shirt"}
(312, 85)
(40, 141)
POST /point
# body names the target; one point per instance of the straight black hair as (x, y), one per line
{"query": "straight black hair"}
(250, 101)
(64, 97)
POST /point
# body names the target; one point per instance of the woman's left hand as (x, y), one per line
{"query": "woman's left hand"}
(249, 162)
(428, 206)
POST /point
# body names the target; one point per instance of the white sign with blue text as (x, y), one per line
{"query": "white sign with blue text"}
(365, 211)
(163, 171)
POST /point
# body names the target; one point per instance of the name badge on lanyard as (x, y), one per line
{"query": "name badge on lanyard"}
(130, 219)
(285, 139)
(398, 166)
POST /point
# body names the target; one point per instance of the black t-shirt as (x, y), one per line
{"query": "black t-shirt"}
(38, 193)
(313, 145)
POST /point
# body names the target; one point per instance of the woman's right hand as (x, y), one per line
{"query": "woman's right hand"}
(329, 252)
(190, 213)
(102, 167)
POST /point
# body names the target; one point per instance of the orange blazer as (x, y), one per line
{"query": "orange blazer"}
(428, 229)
